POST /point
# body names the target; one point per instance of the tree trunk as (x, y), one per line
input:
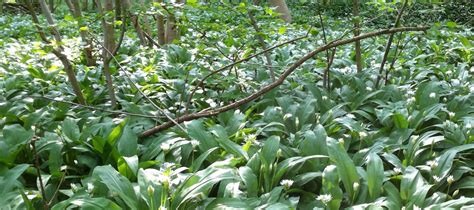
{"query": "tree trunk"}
(108, 46)
(263, 44)
(68, 68)
(171, 32)
(160, 23)
(51, 5)
(358, 55)
(136, 24)
(76, 12)
(281, 8)
(85, 5)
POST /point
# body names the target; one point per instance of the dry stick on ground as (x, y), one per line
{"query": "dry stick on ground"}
(279, 81)
(138, 89)
(96, 108)
(201, 82)
(389, 44)
(262, 43)
(58, 52)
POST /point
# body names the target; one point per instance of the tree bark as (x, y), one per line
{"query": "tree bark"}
(263, 44)
(171, 32)
(76, 12)
(68, 68)
(358, 55)
(282, 9)
(108, 46)
(160, 23)
(136, 24)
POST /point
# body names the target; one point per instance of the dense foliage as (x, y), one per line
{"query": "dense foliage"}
(407, 144)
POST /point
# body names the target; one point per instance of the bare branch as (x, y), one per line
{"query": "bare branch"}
(279, 81)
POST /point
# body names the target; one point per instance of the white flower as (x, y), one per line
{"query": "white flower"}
(195, 143)
(397, 171)
(325, 198)
(415, 207)
(325, 98)
(468, 125)
(455, 82)
(449, 72)
(165, 147)
(362, 134)
(471, 89)
(150, 189)
(279, 153)
(410, 92)
(368, 88)
(451, 114)
(341, 141)
(450, 179)
(287, 116)
(432, 95)
(432, 163)
(411, 100)
(286, 183)
(356, 185)
(436, 178)
(350, 116)
(455, 192)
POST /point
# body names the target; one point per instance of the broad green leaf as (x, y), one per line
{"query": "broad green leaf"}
(250, 181)
(345, 167)
(375, 175)
(117, 184)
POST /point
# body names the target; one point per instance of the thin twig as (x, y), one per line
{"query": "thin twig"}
(389, 44)
(278, 82)
(201, 82)
(136, 87)
(253, 21)
(38, 171)
(97, 108)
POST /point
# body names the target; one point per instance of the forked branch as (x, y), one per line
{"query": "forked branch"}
(279, 81)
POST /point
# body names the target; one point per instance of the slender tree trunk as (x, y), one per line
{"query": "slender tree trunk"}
(389, 44)
(136, 24)
(76, 12)
(263, 44)
(108, 46)
(68, 68)
(358, 55)
(146, 22)
(160, 23)
(118, 10)
(171, 32)
(1, 7)
(281, 8)
(85, 5)
(51, 5)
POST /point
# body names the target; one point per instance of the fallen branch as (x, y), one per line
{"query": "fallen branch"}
(279, 81)
(201, 82)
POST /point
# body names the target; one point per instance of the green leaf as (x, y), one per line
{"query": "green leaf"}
(198, 162)
(117, 184)
(330, 186)
(345, 167)
(8, 180)
(250, 181)
(375, 175)
(71, 129)
(86, 203)
(270, 149)
(15, 135)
